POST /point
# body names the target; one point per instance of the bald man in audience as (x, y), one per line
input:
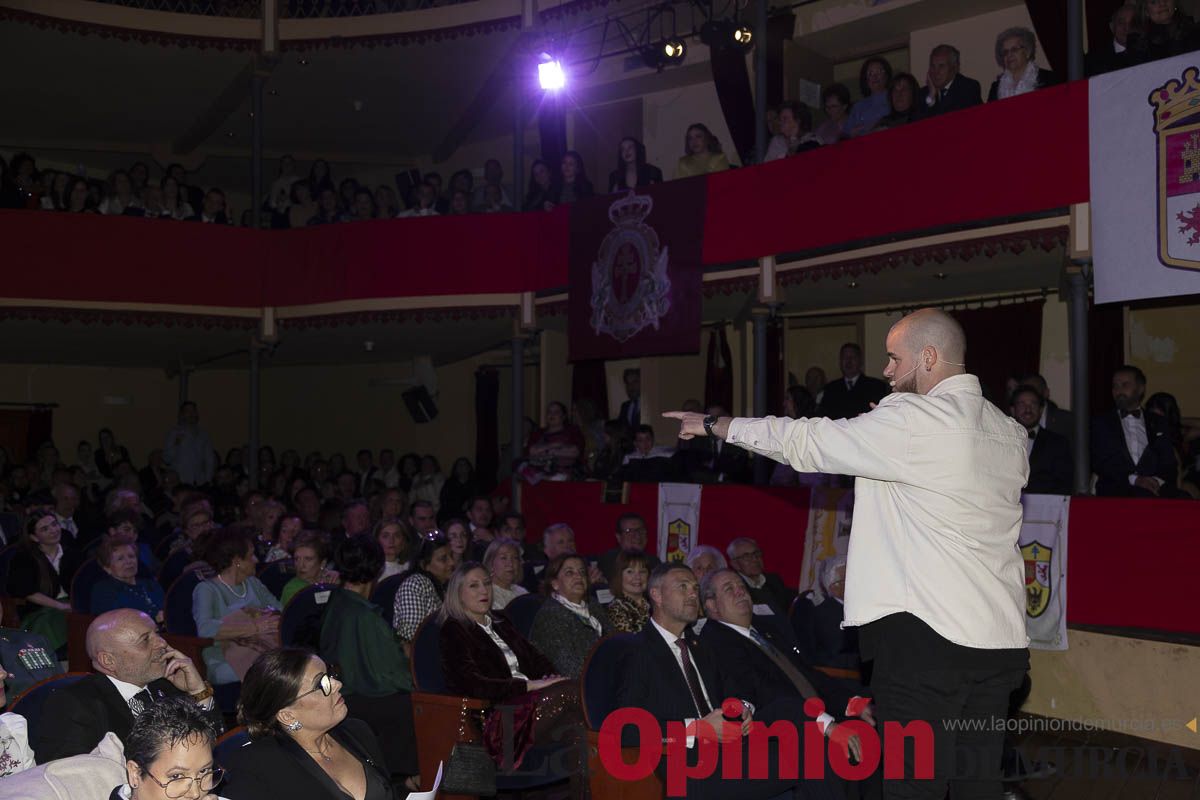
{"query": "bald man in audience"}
(134, 667)
(934, 581)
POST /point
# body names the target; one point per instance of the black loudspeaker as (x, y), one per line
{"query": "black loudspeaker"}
(420, 404)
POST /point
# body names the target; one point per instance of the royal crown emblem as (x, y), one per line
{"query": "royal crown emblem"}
(1037, 578)
(1177, 125)
(630, 286)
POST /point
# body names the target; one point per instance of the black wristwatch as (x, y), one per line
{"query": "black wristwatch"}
(709, 421)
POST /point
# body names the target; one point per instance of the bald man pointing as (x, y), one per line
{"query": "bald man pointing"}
(934, 580)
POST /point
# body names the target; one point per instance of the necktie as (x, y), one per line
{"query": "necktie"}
(139, 702)
(1033, 433)
(1136, 413)
(692, 677)
(802, 684)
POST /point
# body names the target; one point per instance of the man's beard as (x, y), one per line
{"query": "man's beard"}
(908, 385)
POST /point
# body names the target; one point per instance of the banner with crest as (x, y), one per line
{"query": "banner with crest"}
(635, 272)
(1144, 133)
(1043, 544)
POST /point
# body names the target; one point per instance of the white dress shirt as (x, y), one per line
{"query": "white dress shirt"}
(937, 507)
(514, 664)
(1136, 441)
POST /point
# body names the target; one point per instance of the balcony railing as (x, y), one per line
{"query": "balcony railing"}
(291, 9)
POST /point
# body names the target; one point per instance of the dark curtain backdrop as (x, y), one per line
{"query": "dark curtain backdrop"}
(552, 128)
(732, 81)
(487, 433)
(589, 382)
(1050, 24)
(1002, 341)
(718, 374)
(1106, 352)
(780, 28)
(776, 367)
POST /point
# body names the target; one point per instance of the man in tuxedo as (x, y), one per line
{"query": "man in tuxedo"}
(1132, 454)
(631, 410)
(1110, 55)
(1051, 463)
(1059, 420)
(134, 667)
(713, 462)
(677, 678)
(766, 589)
(947, 90)
(853, 393)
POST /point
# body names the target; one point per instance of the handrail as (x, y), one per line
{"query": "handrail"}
(288, 9)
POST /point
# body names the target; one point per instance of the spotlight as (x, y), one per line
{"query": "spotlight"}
(551, 75)
(743, 38)
(673, 50)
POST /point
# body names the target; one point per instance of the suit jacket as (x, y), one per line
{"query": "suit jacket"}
(838, 402)
(1045, 78)
(732, 464)
(565, 638)
(1113, 464)
(773, 593)
(963, 92)
(623, 416)
(1103, 58)
(1051, 465)
(474, 665)
(87, 709)
(1062, 422)
(822, 638)
(752, 675)
(275, 766)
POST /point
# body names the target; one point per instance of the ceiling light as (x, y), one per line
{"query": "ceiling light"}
(743, 38)
(551, 76)
(674, 49)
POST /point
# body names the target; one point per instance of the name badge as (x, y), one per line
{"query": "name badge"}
(763, 609)
(604, 596)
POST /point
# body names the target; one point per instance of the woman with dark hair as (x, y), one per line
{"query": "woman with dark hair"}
(795, 126)
(1161, 30)
(77, 200)
(327, 207)
(569, 623)
(873, 79)
(572, 183)
(109, 453)
(484, 655)
(40, 573)
(556, 449)
(701, 153)
(234, 608)
(629, 609)
(169, 753)
(320, 178)
(387, 202)
(632, 171)
(903, 95)
(376, 681)
(421, 592)
(122, 588)
(458, 533)
(540, 194)
(460, 487)
(121, 197)
(173, 199)
(302, 207)
(302, 744)
(364, 207)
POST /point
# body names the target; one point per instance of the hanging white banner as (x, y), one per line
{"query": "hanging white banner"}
(678, 520)
(1043, 544)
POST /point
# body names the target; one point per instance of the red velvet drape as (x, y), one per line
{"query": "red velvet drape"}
(1002, 341)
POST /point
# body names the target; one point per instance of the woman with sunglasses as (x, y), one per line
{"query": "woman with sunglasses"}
(302, 745)
(169, 754)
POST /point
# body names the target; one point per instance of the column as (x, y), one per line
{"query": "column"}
(1078, 279)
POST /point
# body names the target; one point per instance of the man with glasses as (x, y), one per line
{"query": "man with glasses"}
(631, 535)
(169, 752)
(135, 668)
(767, 591)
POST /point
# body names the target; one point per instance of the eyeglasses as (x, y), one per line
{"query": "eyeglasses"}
(751, 554)
(181, 786)
(1008, 51)
(324, 685)
(633, 530)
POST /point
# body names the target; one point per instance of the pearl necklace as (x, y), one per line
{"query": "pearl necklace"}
(233, 591)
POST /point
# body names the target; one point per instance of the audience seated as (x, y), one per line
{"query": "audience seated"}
(569, 623)
(1112, 54)
(557, 539)
(632, 171)
(303, 743)
(767, 589)
(903, 106)
(1132, 452)
(701, 153)
(396, 542)
(711, 460)
(649, 463)
(540, 194)
(798, 403)
(1016, 49)
(310, 557)
(233, 608)
(946, 88)
(704, 559)
(502, 560)
(122, 588)
(1056, 419)
(376, 681)
(555, 450)
(572, 183)
(631, 535)
(835, 101)
(1051, 462)
(795, 133)
(134, 669)
(819, 630)
(40, 573)
(873, 79)
(169, 753)
(629, 609)
(853, 393)
(15, 753)
(283, 537)
(423, 589)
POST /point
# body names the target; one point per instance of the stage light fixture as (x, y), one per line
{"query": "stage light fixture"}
(673, 50)
(743, 38)
(551, 76)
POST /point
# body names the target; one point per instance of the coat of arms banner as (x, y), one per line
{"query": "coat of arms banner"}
(635, 272)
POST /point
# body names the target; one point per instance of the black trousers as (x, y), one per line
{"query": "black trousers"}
(965, 708)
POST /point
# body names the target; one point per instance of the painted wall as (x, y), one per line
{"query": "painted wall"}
(1163, 343)
(975, 39)
(667, 115)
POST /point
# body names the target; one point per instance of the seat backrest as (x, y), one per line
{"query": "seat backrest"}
(29, 703)
(384, 595)
(230, 741)
(427, 657)
(172, 568)
(300, 625)
(276, 575)
(177, 608)
(10, 524)
(86, 577)
(6, 555)
(522, 609)
(602, 675)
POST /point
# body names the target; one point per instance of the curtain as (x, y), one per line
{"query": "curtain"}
(589, 382)
(776, 367)
(1050, 24)
(487, 433)
(732, 81)
(1001, 341)
(718, 374)
(1106, 352)
(780, 28)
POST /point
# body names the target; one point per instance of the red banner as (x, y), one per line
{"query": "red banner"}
(635, 272)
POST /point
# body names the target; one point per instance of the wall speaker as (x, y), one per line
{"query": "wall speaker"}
(420, 404)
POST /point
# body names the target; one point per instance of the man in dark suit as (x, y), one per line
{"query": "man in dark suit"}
(134, 667)
(712, 461)
(631, 535)
(1051, 464)
(1110, 55)
(631, 410)
(677, 679)
(947, 90)
(853, 393)
(1059, 420)
(767, 590)
(1132, 454)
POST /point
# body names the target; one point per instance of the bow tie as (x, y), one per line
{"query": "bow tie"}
(1136, 413)
(1033, 433)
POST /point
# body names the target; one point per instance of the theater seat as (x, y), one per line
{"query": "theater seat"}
(599, 683)
(300, 625)
(230, 741)
(522, 609)
(384, 596)
(86, 577)
(177, 607)
(276, 575)
(29, 703)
